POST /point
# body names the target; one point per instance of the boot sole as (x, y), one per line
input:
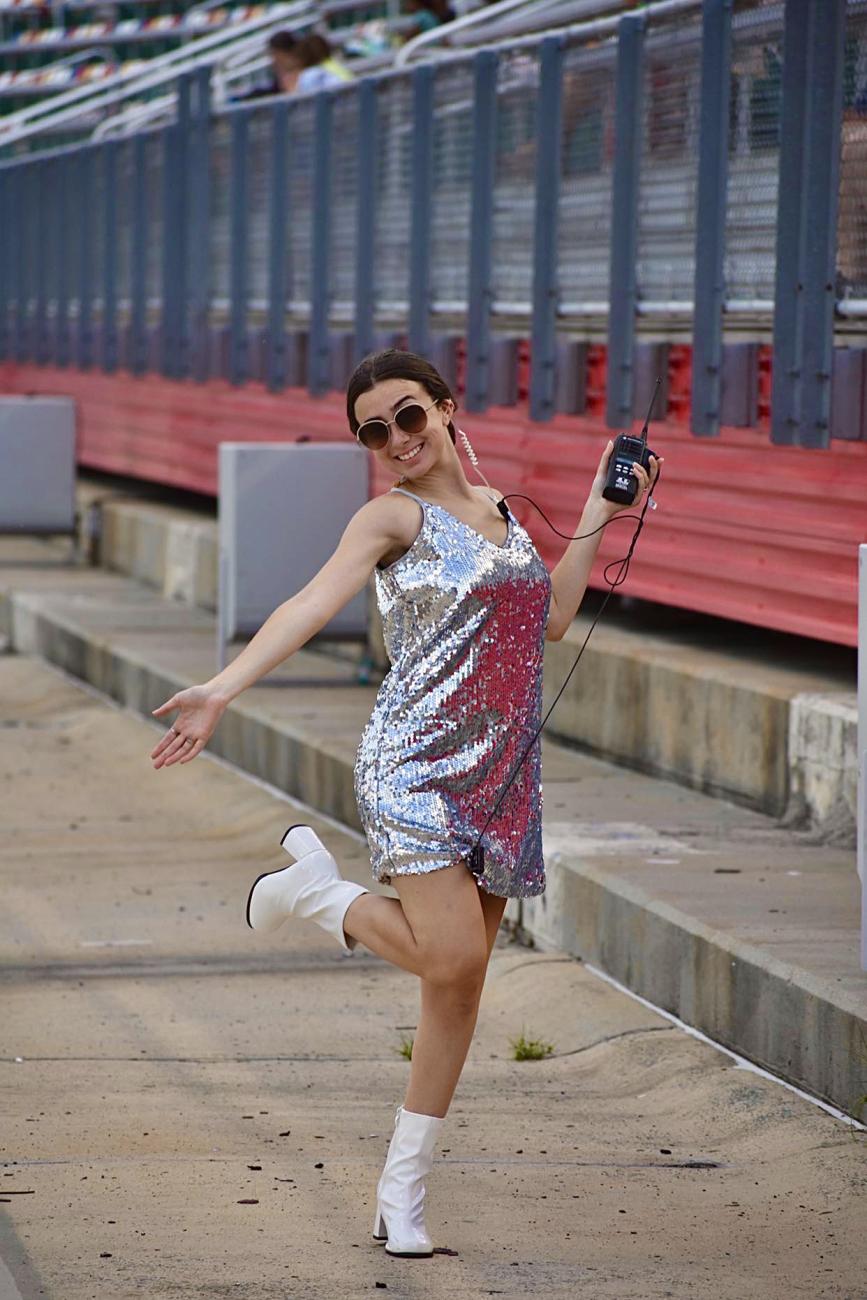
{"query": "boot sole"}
(269, 873)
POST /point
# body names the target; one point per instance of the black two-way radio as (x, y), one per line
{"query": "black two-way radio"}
(621, 484)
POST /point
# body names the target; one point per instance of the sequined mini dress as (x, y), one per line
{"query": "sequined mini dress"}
(464, 623)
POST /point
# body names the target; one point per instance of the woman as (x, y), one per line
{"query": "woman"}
(320, 68)
(466, 604)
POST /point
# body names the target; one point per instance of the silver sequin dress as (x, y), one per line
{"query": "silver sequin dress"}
(464, 626)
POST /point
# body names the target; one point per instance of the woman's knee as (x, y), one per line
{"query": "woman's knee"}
(448, 924)
(458, 967)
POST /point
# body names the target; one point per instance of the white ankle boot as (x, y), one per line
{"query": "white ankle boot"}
(311, 888)
(400, 1190)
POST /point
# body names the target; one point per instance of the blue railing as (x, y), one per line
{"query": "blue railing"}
(672, 173)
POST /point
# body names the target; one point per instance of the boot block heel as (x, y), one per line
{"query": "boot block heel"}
(380, 1231)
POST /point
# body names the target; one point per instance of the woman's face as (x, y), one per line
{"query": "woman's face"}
(382, 402)
(287, 68)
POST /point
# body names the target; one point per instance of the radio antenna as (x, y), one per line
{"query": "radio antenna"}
(650, 411)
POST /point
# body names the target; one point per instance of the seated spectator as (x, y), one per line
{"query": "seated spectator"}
(427, 15)
(285, 67)
(320, 68)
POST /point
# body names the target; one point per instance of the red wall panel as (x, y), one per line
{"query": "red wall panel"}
(745, 530)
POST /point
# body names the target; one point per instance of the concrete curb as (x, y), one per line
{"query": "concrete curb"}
(737, 993)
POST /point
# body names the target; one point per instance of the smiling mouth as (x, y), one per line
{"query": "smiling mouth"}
(410, 455)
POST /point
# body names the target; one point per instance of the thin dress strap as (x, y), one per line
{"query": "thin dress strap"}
(410, 494)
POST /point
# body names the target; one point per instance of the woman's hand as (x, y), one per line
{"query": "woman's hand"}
(645, 483)
(201, 708)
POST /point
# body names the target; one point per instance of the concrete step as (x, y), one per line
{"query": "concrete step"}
(745, 929)
(768, 721)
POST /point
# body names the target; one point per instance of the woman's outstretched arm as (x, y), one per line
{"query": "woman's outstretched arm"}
(368, 535)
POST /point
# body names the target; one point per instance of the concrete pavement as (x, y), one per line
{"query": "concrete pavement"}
(192, 1110)
(744, 928)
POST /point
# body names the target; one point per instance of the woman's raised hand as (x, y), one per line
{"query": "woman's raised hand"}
(201, 708)
(645, 481)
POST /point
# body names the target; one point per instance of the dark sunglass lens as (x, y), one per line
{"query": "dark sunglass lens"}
(411, 418)
(374, 434)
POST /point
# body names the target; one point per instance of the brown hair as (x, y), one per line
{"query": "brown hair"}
(391, 363)
(313, 50)
(284, 42)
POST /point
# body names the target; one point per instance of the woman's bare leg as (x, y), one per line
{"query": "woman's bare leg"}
(443, 929)
(445, 1029)
(380, 924)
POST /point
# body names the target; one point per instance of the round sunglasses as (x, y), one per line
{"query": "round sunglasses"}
(412, 418)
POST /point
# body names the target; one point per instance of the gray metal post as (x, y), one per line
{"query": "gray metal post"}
(43, 207)
(862, 745)
(623, 292)
(365, 229)
(199, 227)
(109, 265)
(485, 66)
(21, 214)
(171, 184)
(238, 291)
(175, 181)
(83, 198)
(5, 261)
(788, 293)
(821, 202)
(52, 256)
(63, 242)
(318, 361)
(807, 221)
(138, 341)
(421, 209)
(275, 361)
(544, 329)
(709, 291)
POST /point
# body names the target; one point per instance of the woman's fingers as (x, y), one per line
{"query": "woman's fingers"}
(164, 708)
(163, 744)
(170, 750)
(168, 739)
(643, 481)
(180, 754)
(192, 751)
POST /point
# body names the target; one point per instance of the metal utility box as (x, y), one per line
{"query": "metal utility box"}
(282, 510)
(37, 456)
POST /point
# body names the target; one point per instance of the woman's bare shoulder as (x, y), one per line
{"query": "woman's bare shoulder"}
(393, 516)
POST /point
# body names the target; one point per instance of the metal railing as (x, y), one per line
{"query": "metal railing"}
(612, 181)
